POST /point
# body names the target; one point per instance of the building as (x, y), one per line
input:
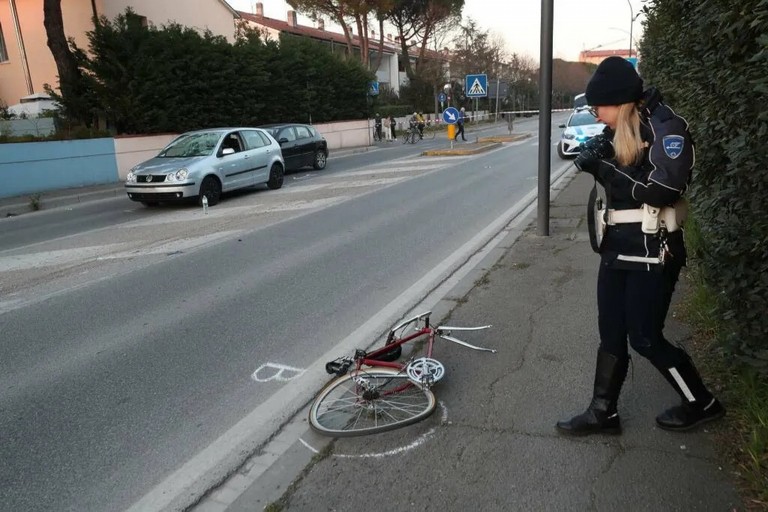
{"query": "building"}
(26, 63)
(598, 56)
(390, 73)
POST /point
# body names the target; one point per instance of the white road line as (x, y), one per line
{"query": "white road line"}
(56, 257)
(197, 215)
(174, 246)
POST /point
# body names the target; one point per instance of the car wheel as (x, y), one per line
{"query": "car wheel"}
(150, 204)
(276, 174)
(560, 153)
(211, 188)
(320, 160)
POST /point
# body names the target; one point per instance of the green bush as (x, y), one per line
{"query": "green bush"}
(394, 110)
(149, 80)
(710, 59)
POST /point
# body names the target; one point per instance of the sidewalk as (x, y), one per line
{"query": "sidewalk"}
(491, 445)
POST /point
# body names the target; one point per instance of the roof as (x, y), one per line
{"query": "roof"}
(325, 35)
(229, 7)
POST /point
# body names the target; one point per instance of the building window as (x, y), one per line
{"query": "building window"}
(3, 48)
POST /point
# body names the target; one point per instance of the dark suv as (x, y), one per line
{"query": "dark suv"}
(301, 145)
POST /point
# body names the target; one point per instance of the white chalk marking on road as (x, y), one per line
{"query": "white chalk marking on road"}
(423, 438)
(283, 373)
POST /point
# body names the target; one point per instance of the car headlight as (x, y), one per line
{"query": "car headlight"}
(569, 136)
(179, 175)
(130, 177)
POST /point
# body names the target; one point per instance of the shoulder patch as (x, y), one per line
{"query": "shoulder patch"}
(673, 145)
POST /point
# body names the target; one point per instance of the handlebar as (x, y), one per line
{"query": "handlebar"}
(414, 319)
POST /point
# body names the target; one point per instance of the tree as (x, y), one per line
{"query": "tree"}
(70, 79)
(417, 23)
(359, 12)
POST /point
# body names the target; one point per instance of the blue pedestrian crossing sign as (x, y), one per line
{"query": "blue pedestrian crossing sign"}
(451, 115)
(373, 88)
(476, 86)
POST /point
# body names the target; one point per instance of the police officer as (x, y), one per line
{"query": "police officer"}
(643, 160)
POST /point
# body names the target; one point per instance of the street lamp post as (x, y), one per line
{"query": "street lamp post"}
(631, 24)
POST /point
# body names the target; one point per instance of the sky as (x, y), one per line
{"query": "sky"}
(578, 25)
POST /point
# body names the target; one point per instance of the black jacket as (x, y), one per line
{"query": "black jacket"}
(660, 179)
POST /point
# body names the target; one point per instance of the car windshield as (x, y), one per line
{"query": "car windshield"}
(581, 119)
(273, 131)
(193, 144)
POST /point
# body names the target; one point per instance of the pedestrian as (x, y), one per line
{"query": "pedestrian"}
(644, 160)
(387, 129)
(460, 125)
(510, 122)
(377, 123)
(392, 125)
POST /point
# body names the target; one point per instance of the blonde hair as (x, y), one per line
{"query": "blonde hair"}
(627, 141)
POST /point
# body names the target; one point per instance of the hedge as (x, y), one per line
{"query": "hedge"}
(710, 59)
(173, 79)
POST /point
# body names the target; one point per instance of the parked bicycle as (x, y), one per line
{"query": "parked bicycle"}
(374, 393)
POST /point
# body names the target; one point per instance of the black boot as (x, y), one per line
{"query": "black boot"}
(602, 416)
(698, 405)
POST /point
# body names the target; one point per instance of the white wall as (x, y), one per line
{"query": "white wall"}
(345, 134)
(132, 150)
(199, 14)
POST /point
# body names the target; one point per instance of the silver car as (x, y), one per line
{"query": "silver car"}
(205, 163)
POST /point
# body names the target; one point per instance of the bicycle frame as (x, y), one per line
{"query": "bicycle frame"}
(370, 358)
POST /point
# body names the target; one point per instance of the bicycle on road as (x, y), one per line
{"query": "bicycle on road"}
(411, 135)
(374, 393)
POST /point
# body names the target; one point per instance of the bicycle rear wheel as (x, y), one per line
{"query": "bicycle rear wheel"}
(368, 401)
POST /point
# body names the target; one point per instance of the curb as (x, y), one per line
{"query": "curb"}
(19, 205)
(482, 147)
(505, 138)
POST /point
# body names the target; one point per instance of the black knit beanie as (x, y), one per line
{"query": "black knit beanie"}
(615, 82)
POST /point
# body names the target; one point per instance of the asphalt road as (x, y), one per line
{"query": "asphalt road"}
(138, 362)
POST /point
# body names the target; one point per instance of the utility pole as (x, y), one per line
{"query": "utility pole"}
(545, 115)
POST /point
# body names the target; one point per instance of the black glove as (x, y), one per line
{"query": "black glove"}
(592, 152)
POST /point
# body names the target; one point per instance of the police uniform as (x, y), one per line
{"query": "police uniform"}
(641, 253)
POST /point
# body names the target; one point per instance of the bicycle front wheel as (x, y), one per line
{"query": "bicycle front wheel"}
(368, 401)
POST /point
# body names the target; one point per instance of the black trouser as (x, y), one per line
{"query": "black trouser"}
(632, 305)
(460, 131)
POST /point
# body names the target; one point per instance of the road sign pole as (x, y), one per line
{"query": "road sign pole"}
(497, 99)
(545, 115)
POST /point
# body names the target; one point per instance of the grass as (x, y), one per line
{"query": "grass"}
(35, 202)
(743, 436)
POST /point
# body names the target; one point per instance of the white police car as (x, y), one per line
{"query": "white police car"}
(580, 127)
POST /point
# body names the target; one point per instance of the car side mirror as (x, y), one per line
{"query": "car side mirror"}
(282, 140)
(561, 126)
(227, 151)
